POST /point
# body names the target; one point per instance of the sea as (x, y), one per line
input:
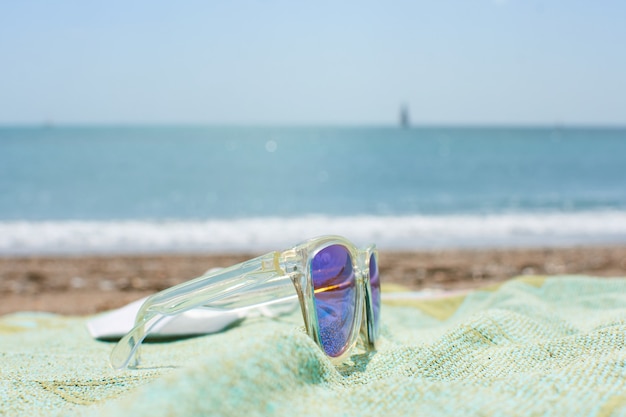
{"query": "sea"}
(212, 189)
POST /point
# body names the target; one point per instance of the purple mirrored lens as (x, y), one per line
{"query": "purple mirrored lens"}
(375, 285)
(335, 292)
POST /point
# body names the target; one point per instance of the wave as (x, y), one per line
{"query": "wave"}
(259, 234)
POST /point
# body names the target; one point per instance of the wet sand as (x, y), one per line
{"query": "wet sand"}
(90, 284)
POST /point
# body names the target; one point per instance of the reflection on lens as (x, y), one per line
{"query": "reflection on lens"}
(375, 285)
(334, 286)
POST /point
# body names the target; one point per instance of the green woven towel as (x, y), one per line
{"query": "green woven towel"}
(530, 347)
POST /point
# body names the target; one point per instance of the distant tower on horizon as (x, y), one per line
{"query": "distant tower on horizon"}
(405, 122)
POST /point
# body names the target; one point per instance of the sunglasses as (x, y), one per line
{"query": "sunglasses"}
(336, 283)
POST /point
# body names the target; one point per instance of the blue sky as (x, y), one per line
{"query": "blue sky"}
(324, 62)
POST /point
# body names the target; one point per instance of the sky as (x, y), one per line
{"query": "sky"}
(512, 62)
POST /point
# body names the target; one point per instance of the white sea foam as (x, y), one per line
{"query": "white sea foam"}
(258, 234)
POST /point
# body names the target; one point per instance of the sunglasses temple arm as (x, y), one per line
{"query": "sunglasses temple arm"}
(255, 282)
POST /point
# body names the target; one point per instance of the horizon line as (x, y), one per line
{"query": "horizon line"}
(449, 125)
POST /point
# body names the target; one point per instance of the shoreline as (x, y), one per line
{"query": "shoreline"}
(408, 232)
(88, 284)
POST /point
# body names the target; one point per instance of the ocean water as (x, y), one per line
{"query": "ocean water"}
(150, 189)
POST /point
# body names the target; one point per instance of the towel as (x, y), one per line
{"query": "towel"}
(532, 346)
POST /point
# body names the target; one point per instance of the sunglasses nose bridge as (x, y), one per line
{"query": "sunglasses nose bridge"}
(361, 278)
(362, 270)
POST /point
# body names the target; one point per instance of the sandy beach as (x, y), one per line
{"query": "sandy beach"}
(89, 284)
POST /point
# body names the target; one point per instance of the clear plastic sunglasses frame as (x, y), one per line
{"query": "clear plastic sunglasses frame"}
(265, 280)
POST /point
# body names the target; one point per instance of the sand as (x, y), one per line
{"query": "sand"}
(79, 285)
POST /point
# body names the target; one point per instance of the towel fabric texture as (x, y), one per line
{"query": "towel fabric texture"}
(533, 346)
